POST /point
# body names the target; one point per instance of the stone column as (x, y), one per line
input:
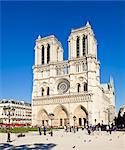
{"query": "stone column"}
(71, 120)
(60, 54)
(82, 87)
(80, 67)
(82, 121)
(69, 47)
(53, 52)
(74, 47)
(37, 55)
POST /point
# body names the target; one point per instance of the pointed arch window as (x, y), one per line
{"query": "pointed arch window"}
(48, 90)
(48, 53)
(77, 46)
(85, 87)
(78, 88)
(42, 91)
(84, 45)
(42, 54)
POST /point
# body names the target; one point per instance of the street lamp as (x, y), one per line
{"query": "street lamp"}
(51, 116)
(8, 110)
(108, 115)
(74, 118)
(95, 122)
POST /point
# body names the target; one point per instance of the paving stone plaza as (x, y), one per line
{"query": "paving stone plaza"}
(62, 140)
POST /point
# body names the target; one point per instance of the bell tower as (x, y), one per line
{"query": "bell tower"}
(48, 50)
(82, 43)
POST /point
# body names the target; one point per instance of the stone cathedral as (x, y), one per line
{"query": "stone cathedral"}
(72, 87)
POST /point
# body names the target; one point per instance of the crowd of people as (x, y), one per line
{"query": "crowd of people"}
(90, 129)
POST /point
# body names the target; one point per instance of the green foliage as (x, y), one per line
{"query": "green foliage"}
(3, 130)
(21, 129)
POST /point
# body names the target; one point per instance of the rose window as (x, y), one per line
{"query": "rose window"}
(63, 86)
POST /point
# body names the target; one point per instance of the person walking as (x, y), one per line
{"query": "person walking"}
(89, 130)
(44, 129)
(107, 128)
(39, 130)
(65, 128)
(110, 129)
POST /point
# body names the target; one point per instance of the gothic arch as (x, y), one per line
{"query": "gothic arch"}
(80, 80)
(42, 54)
(78, 46)
(61, 116)
(78, 87)
(43, 117)
(44, 84)
(42, 91)
(81, 115)
(85, 87)
(48, 91)
(48, 53)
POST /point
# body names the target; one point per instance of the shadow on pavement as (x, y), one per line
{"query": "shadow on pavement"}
(27, 147)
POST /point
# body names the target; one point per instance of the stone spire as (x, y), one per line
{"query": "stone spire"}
(112, 82)
(88, 24)
(39, 37)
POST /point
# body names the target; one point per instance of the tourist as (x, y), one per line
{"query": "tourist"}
(77, 128)
(39, 130)
(110, 129)
(44, 129)
(70, 129)
(88, 129)
(107, 128)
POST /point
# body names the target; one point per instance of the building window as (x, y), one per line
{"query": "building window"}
(47, 90)
(78, 88)
(42, 54)
(84, 66)
(77, 68)
(42, 91)
(48, 53)
(84, 44)
(77, 47)
(85, 87)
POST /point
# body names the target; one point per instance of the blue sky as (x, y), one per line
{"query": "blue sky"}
(22, 22)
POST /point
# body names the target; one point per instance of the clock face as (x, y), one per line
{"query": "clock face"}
(63, 86)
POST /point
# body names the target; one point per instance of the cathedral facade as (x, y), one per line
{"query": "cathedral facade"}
(71, 89)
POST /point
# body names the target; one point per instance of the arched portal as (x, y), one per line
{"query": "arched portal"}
(43, 118)
(61, 116)
(81, 116)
